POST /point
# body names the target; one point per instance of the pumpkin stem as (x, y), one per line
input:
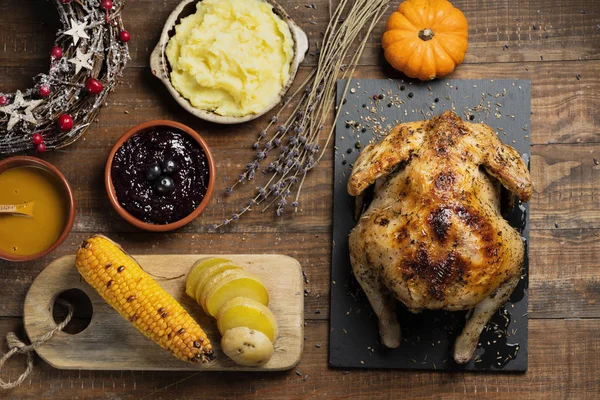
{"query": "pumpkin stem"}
(426, 34)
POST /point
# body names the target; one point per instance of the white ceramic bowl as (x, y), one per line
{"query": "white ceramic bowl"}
(160, 66)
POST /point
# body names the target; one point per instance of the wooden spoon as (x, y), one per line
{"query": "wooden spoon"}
(19, 209)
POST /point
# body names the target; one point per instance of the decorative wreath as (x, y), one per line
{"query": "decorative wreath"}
(88, 57)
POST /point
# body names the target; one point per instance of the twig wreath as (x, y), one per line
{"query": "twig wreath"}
(85, 63)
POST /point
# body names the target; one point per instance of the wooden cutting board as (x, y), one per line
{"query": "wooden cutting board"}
(112, 343)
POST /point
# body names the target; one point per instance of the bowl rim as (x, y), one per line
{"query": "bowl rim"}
(22, 161)
(159, 63)
(112, 195)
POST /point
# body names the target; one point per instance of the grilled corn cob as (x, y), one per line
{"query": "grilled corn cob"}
(138, 298)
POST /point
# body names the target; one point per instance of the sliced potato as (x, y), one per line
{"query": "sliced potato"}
(247, 347)
(208, 274)
(243, 311)
(237, 283)
(212, 282)
(196, 270)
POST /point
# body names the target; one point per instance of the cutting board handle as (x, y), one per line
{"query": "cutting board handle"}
(42, 295)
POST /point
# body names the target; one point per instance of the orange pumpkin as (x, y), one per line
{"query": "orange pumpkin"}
(426, 39)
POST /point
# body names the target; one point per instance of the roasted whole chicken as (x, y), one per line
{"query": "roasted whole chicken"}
(433, 236)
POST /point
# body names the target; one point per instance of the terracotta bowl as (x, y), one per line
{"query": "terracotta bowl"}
(23, 161)
(161, 69)
(110, 189)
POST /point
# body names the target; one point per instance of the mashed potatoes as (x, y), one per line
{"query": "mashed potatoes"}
(231, 57)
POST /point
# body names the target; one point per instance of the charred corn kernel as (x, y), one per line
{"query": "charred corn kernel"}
(138, 298)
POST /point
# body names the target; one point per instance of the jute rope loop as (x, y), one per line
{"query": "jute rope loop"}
(16, 346)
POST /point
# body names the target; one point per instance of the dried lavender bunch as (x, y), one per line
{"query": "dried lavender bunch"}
(292, 147)
(67, 89)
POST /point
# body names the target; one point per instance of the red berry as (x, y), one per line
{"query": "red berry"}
(106, 4)
(56, 52)
(44, 91)
(40, 148)
(124, 36)
(3, 100)
(65, 122)
(37, 139)
(94, 86)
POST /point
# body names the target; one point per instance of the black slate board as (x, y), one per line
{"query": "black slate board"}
(428, 337)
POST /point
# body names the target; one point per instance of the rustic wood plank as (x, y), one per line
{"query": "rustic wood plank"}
(531, 30)
(28, 33)
(564, 278)
(566, 182)
(564, 358)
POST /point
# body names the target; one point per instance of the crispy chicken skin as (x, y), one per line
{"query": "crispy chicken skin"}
(433, 236)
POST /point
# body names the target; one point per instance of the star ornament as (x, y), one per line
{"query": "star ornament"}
(81, 61)
(20, 110)
(77, 31)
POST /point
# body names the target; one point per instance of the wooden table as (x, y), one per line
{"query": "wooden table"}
(554, 43)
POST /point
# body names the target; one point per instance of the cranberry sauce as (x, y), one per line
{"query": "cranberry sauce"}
(160, 175)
